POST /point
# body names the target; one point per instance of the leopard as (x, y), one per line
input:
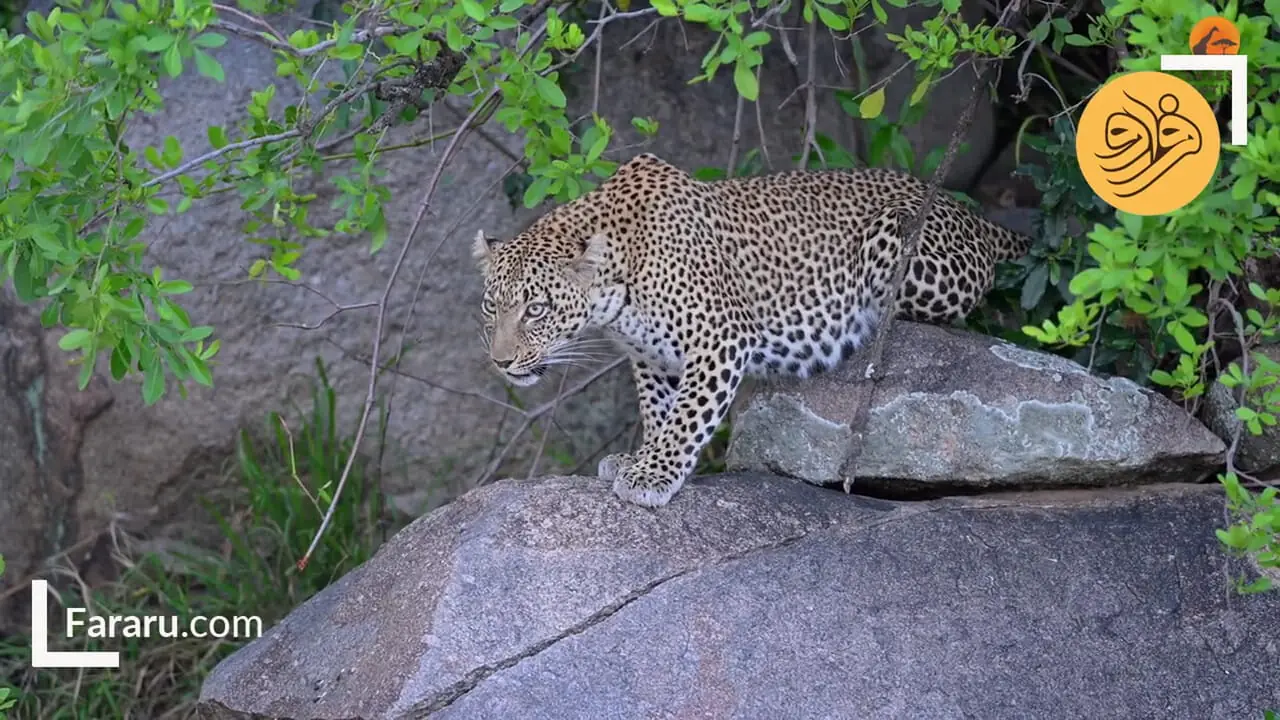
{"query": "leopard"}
(705, 283)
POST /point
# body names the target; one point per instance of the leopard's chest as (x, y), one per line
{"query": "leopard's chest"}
(647, 338)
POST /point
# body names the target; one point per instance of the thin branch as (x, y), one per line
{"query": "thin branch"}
(764, 141)
(910, 242)
(547, 427)
(215, 154)
(423, 205)
(811, 100)
(595, 83)
(731, 170)
(395, 370)
(332, 314)
(360, 36)
(532, 415)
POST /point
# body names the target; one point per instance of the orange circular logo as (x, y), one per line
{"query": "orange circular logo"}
(1215, 35)
(1148, 143)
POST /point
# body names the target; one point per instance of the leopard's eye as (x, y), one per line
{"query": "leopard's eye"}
(535, 310)
(486, 307)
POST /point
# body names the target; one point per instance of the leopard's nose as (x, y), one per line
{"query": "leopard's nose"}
(503, 364)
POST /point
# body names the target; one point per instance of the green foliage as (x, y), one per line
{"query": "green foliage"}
(8, 696)
(1257, 531)
(1154, 293)
(265, 526)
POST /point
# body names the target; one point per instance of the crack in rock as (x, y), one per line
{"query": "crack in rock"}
(444, 698)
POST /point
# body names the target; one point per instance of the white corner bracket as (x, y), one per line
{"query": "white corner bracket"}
(41, 656)
(1238, 66)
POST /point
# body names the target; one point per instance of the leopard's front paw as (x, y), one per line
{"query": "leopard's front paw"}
(643, 484)
(610, 465)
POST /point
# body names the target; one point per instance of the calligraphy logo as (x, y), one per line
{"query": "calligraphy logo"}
(1148, 143)
(1215, 36)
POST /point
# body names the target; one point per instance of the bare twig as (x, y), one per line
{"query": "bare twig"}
(547, 427)
(764, 141)
(394, 370)
(910, 241)
(332, 314)
(531, 416)
(1237, 427)
(360, 36)
(595, 83)
(737, 136)
(811, 96)
(427, 195)
(214, 154)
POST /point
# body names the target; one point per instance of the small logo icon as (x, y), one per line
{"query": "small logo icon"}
(1148, 143)
(1215, 35)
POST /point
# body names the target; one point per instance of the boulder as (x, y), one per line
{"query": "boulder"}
(1256, 454)
(753, 596)
(955, 409)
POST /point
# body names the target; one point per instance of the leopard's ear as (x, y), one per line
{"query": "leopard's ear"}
(584, 268)
(481, 249)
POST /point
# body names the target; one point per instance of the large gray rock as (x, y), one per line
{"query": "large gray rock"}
(757, 597)
(1256, 454)
(955, 408)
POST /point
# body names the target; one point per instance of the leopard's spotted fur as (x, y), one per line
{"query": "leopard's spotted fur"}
(705, 283)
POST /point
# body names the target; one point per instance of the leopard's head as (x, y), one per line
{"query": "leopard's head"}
(536, 298)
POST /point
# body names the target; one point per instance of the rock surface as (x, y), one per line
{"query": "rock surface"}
(758, 597)
(1257, 454)
(955, 408)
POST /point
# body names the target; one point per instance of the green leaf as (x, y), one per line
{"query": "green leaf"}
(209, 67)
(453, 37)
(839, 23)
(880, 14)
(173, 61)
(665, 8)
(1040, 32)
(175, 287)
(156, 43)
(209, 40)
(1244, 187)
(548, 90)
(872, 105)
(1034, 286)
(348, 52)
(153, 382)
(75, 339)
(1182, 336)
(119, 365)
(474, 10)
(744, 79)
(1175, 280)
(217, 137)
(918, 94)
(537, 191)
(700, 13)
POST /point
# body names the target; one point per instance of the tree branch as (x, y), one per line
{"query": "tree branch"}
(910, 242)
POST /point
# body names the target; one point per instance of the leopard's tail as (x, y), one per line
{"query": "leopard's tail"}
(1007, 244)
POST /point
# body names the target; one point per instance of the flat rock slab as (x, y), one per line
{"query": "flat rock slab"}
(758, 597)
(955, 408)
